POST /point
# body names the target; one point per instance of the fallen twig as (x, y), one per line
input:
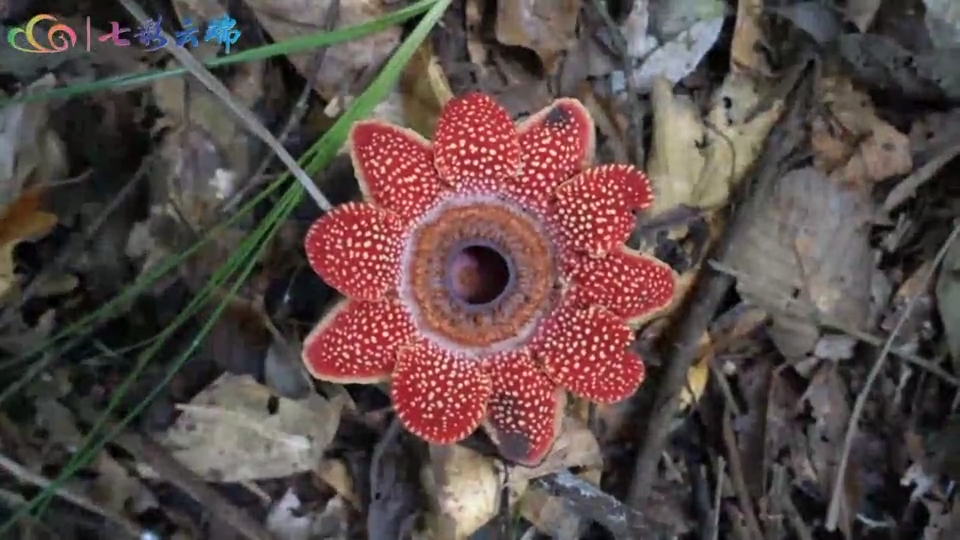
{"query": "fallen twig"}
(592, 503)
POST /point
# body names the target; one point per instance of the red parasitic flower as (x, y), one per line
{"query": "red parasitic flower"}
(485, 273)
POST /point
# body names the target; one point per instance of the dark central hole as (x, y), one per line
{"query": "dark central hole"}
(478, 275)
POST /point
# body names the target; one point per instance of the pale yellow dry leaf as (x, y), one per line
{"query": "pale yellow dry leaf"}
(228, 433)
(697, 162)
(470, 495)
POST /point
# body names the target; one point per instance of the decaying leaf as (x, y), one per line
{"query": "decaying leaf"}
(850, 142)
(696, 162)
(236, 430)
(547, 27)
(470, 495)
(806, 247)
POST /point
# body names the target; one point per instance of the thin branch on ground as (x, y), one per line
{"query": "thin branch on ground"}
(247, 118)
(833, 512)
(590, 502)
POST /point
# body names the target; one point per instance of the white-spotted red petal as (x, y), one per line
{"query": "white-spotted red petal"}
(585, 349)
(356, 248)
(476, 142)
(395, 167)
(637, 191)
(631, 284)
(357, 341)
(590, 213)
(438, 396)
(525, 410)
(556, 144)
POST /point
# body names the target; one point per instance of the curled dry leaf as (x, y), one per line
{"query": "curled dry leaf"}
(850, 142)
(20, 220)
(470, 495)
(696, 162)
(806, 247)
(547, 27)
(232, 431)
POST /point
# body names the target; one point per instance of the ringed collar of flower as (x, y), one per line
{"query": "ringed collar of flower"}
(485, 273)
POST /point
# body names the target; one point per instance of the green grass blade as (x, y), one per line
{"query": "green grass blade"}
(294, 45)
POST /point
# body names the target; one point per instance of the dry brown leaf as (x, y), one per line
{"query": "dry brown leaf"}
(470, 495)
(850, 142)
(806, 247)
(20, 220)
(230, 431)
(696, 162)
(547, 27)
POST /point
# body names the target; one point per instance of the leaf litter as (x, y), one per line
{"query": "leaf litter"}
(803, 162)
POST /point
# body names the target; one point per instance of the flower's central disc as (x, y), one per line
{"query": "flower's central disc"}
(478, 273)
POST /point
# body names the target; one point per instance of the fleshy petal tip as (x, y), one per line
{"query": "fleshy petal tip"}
(356, 342)
(476, 141)
(394, 166)
(438, 397)
(355, 248)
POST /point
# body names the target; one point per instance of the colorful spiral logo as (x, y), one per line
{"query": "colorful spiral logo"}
(58, 33)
